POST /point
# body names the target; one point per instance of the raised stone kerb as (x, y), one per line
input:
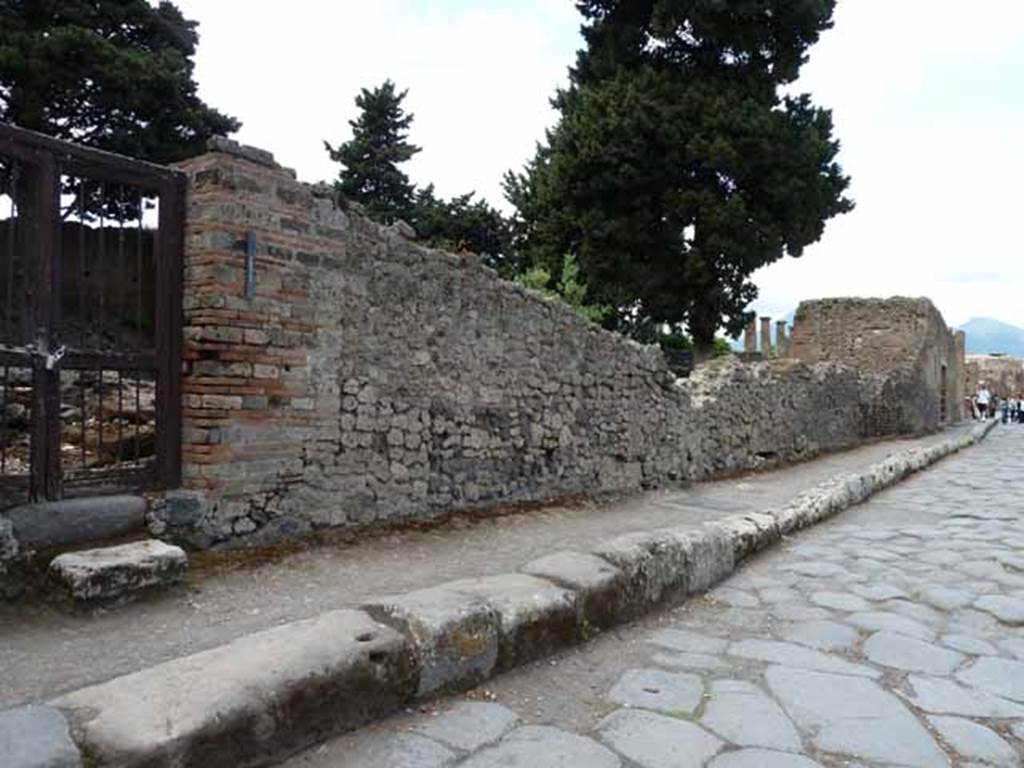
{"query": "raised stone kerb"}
(654, 566)
(535, 617)
(601, 586)
(264, 695)
(273, 692)
(455, 636)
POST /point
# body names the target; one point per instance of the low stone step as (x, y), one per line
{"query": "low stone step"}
(55, 525)
(110, 574)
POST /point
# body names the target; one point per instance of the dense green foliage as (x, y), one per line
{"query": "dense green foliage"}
(677, 169)
(113, 74)
(370, 175)
(464, 224)
(568, 288)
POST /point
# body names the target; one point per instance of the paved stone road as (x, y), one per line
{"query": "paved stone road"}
(891, 636)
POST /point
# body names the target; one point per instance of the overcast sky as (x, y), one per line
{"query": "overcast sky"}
(928, 98)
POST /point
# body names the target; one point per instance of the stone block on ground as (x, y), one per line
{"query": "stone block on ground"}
(36, 737)
(468, 725)
(455, 635)
(655, 566)
(601, 586)
(53, 524)
(535, 617)
(114, 573)
(251, 701)
(749, 533)
(710, 557)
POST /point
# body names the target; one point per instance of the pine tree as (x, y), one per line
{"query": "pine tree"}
(379, 144)
(113, 74)
(464, 224)
(677, 168)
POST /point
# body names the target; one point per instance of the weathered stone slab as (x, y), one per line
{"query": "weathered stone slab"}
(382, 749)
(654, 566)
(601, 586)
(710, 557)
(54, 524)
(791, 655)
(119, 572)
(538, 746)
(943, 696)
(1001, 677)
(670, 692)
(854, 716)
(455, 635)
(975, 742)
(535, 617)
(822, 635)
(969, 644)
(468, 725)
(655, 741)
(742, 713)
(1009, 610)
(840, 601)
(762, 758)
(749, 533)
(698, 661)
(247, 702)
(893, 622)
(910, 654)
(36, 737)
(945, 598)
(688, 642)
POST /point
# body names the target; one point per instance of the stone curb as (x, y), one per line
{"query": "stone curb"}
(264, 696)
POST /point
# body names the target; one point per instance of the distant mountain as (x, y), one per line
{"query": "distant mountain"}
(985, 335)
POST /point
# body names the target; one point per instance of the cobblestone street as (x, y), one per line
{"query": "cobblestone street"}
(891, 636)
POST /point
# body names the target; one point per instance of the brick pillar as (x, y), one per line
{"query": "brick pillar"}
(766, 335)
(750, 337)
(781, 343)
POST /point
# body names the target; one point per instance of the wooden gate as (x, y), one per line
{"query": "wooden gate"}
(90, 321)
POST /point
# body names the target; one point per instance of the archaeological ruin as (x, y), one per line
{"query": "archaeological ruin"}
(359, 378)
(336, 374)
(1002, 374)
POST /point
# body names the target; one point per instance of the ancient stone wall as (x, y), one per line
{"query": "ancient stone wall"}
(371, 380)
(1002, 374)
(904, 339)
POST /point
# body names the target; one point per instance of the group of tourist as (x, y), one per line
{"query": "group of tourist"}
(984, 405)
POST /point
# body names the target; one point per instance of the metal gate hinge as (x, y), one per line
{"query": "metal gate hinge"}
(55, 357)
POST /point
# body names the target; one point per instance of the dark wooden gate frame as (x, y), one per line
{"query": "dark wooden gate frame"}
(46, 159)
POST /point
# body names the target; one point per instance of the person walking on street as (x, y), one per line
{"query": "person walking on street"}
(984, 397)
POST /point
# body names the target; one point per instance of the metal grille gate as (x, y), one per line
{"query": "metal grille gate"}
(90, 321)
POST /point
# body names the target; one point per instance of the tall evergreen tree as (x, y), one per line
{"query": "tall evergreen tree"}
(379, 144)
(677, 168)
(113, 74)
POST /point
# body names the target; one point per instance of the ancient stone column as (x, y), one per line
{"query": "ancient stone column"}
(750, 337)
(780, 337)
(960, 388)
(766, 335)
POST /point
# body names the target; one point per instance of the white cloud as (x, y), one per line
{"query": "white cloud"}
(928, 106)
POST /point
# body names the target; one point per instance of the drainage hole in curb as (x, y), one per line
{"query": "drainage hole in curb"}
(377, 657)
(365, 637)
